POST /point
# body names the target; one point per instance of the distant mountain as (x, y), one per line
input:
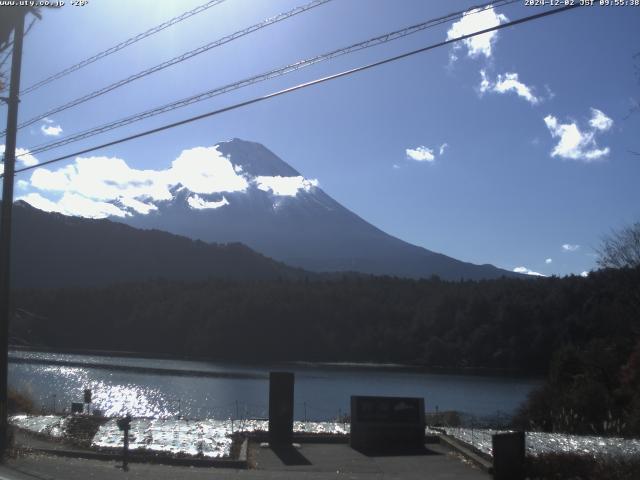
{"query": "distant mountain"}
(53, 250)
(283, 215)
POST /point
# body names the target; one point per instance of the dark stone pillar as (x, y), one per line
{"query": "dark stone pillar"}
(281, 407)
(508, 456)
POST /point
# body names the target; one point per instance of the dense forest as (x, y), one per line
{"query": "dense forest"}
(504, 324)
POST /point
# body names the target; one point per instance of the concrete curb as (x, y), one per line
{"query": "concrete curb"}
(303, 437)
(482, 462)
(239, 463)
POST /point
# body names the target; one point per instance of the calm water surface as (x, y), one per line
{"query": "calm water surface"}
(196, 389)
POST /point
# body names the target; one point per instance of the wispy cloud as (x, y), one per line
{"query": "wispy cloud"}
(509, 82)
(442, 147)
(472, 21)
(527, 271)
(576, 144)
(51, 130)
(568, 247)
(548, 261)
(420, 154)
(599, 120)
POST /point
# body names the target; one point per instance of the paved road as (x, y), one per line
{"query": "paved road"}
(310, 461)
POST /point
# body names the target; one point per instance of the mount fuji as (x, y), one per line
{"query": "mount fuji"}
(263, 202)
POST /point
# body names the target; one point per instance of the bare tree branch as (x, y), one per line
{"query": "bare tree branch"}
(621, 248)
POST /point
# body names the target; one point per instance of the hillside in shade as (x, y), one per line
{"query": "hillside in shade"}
(54, 250)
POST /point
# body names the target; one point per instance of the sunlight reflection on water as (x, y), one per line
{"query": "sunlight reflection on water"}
(113, 399)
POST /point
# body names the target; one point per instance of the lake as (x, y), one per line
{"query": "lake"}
(165, 388)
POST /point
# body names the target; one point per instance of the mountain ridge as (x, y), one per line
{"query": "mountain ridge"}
(307, 229)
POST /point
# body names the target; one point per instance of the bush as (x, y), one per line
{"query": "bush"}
(561, 466)
(19, 402)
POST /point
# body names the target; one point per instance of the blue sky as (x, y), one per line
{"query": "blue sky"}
(537, 122)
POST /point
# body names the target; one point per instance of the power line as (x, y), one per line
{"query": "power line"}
(302, 86)
(387, 37)
(121, 45)
(175, 60)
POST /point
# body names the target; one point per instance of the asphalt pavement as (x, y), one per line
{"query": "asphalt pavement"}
(310, 461)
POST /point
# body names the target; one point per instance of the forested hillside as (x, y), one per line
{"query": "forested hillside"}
(504, 324)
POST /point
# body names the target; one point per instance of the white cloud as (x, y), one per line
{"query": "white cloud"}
(201, 170)
(205, 170)
(137, 205)
(38, 201)
(526, 271)
(599, 120)
(509, 82)
(285, 186)
(573, 143)
(74, 204)
(47, 120)
(548, 261)
(442, 147)
(51, 131)
(568, 247)
(103, 178)
(396, 166)
(420, 154)
(472, 21)
(23, 157)
(584, 274)
(101, 186)
(200, 203)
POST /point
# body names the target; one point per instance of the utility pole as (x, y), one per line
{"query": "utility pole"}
(5, 221)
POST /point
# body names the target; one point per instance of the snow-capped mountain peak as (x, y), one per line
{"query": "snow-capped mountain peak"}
(239, 191)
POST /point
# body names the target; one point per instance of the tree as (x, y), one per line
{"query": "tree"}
(621, 248)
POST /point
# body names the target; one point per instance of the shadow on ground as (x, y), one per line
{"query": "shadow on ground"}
(289, 455)
(398, 452)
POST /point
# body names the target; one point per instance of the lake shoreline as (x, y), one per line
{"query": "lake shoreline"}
(338, 365)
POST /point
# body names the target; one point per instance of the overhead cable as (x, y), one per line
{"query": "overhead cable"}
(301, 86)
(372, 42)
(121, 45)
(173, 61)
